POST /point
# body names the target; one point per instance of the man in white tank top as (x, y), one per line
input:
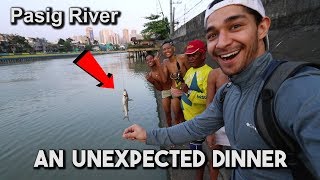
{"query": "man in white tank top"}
(218, 140)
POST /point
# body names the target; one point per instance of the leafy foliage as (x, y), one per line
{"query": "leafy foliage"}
(65, 45)
(156, 28)
(88, 47)
(19, 44)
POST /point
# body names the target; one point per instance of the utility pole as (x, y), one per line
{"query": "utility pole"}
(172, 16)
(184, 14)
(171, 19)
(173, 12)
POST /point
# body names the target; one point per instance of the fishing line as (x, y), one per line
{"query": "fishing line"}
(122, 70)
(121, 60)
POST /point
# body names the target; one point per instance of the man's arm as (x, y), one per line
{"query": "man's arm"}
(211, 88)
(164, 72)
(216, 79)
(202, 125)
(297, 109)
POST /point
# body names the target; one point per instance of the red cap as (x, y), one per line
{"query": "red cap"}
(194, 46)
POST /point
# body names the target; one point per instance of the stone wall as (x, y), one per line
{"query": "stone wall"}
(294, 32)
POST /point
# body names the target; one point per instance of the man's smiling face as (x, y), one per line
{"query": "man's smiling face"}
(234, 39)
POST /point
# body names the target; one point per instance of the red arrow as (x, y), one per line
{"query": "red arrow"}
(89, 64)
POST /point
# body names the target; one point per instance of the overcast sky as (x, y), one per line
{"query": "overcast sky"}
(132, 15)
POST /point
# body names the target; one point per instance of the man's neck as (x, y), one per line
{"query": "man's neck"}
(200, 65)
(172, 58)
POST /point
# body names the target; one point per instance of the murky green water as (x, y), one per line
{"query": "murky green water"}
(54, 104)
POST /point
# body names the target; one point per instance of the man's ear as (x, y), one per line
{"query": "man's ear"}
(204, 55)
(174, 48)
(263, 27)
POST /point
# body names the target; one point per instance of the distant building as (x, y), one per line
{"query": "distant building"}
(38, 44)
(104, 36)
(101, 37)
(116, 38)
(108, 36)
(133, 33)
(95, 48)
(139, 36)
(125, 35)
(52, 47)
(75, 38)
(89, 34)
(111, 38)
(81, 39)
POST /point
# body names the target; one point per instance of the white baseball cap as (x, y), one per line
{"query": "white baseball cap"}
(252, 4)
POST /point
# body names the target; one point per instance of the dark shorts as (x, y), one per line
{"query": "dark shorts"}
(196, 145)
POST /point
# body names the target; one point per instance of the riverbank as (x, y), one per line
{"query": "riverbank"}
(25, 58)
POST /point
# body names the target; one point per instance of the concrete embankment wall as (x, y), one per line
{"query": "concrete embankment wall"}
(294, 32)
(26, 59)
(13, 60)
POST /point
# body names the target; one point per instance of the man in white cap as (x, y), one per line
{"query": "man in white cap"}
(237, 40)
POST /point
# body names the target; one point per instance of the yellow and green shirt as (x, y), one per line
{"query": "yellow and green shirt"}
(194, 103)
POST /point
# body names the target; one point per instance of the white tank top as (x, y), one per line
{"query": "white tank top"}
(221, 137)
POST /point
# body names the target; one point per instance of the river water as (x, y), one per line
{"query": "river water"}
(53, 104)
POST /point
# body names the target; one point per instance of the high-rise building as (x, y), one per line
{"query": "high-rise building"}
(125, 34)
(81, 39)
(104, 36)
(107, 36)
(133, 33)
(89, 34)
(111, 37)
(116, 38)
(101, 37)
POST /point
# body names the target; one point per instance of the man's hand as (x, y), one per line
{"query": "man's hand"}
(211, 141)
(135, 132)
(184, 87)
(157, 59)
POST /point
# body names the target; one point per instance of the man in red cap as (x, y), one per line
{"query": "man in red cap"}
(193, 101)
(195, 80)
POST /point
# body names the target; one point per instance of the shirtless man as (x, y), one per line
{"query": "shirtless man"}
(216, 79)
(175, 67)
(155, 77)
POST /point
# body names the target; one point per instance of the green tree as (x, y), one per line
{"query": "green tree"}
(19, 44)
(4, 47)
(88, 47)
(61, 45)
(61, 41)
(65, 45)
(156, 28)
(116, 47)
(68, 45)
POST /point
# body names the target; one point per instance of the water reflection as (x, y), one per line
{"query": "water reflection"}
(53, 104)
